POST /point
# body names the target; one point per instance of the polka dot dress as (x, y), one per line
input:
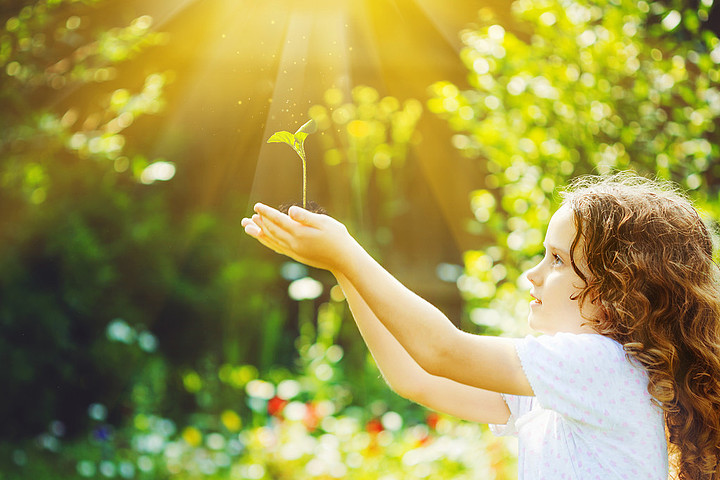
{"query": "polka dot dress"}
(591, 416)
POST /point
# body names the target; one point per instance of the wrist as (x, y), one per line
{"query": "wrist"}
(353, 261)
(345, 258)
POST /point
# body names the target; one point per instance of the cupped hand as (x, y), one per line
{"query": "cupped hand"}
(313, 239)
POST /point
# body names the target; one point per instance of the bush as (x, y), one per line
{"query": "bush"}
(589, 87)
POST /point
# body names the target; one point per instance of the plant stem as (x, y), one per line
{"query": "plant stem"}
(304, 184)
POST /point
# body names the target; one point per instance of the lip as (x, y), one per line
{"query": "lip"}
(536, 302)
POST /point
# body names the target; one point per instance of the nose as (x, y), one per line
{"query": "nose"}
(533, 275)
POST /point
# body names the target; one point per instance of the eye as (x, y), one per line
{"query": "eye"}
(556, 260)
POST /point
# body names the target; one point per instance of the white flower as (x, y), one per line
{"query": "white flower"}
(305, 289)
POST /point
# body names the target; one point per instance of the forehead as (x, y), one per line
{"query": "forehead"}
(561, 229)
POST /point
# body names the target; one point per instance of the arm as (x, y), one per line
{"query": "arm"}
(409, 380)
(488, 363)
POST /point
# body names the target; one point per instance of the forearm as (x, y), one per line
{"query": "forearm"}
(409, 380)
(420, 328)
(398, 368)
(440, 349)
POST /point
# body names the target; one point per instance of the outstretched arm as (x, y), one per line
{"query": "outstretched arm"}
(488, 363)
(409, 380)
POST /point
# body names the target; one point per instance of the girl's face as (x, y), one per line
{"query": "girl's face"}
(554, 281)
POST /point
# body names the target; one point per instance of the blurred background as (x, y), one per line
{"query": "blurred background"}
(145, 336)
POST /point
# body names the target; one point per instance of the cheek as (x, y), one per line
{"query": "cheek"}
(566, 290)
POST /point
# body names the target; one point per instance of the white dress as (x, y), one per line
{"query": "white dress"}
(591, 416)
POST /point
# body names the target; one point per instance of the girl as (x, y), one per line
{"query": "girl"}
(627, 298)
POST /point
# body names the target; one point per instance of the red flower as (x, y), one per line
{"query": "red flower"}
(374, 426)
(432, 420)
(312, 418)
(276, 405)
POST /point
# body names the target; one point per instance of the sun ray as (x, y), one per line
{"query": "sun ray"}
(283, 105)
(314, 59)
(245, 69)
(446, 20)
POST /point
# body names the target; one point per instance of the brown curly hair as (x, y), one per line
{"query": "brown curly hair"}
(650, 269)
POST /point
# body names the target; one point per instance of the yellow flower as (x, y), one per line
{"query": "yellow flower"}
(231, 420)
(192, 436)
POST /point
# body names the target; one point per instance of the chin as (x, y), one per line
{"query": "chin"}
(535, 325)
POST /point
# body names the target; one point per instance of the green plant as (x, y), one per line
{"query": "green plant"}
(89, 234)
(296, 141)
(309, 424)
(597, 87)
(365, 140)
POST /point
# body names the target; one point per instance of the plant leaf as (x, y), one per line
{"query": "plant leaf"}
(300, 137)
(300, 149)
(308, 127)
(282, 137)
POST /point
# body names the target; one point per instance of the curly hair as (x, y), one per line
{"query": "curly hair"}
(650, 269)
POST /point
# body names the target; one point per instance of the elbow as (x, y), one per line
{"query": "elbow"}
(406, 386)
(404, 391)
(411, 384)
(438, 358)
(413, 391)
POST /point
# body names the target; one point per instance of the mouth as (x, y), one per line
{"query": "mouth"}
(536, 300)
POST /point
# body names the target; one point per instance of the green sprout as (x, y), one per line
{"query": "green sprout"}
(296, 141)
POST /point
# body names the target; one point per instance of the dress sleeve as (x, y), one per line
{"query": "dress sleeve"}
(518, 406)
(573, 375)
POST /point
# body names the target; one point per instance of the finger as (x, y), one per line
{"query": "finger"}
(275, 223)
(252, 230)
(271, 230)
(263, 239)
(245, 222)
(275, 216)
(253, 225)
(305, 217)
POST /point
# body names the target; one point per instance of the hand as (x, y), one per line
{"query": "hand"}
(313, 239)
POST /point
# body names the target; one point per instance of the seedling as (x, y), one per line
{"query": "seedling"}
(296, 141)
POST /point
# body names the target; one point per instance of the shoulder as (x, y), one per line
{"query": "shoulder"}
(581, 376)
(591, 347)
(575, 359)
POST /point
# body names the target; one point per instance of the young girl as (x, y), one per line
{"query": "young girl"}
(627, 298)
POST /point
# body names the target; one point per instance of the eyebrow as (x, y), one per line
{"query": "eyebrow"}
(549, 246)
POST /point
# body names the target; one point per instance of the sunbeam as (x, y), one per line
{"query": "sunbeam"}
(242, 70)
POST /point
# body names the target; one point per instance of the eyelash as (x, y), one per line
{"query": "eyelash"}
(556, 260)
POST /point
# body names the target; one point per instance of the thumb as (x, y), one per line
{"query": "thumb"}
(303, 216)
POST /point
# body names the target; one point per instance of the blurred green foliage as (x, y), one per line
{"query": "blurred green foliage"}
(297, 424)
(146, 342)
(599, 86)
(91, 237)
(365, 141)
